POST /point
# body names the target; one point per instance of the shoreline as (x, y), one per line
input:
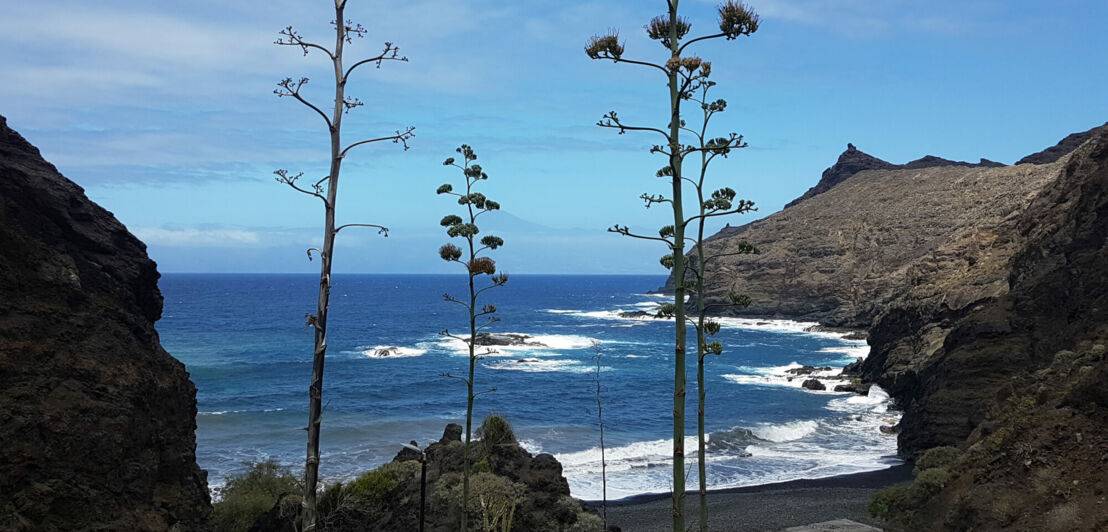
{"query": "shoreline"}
(763, 507)
(877, 478)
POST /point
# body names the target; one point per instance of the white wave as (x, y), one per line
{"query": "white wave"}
(622, 458)
(544, 365)
(876, 401)
(392, 351)
(560, 311)
(780, 376)
(853, 351)
(636, 356)
(531, 446)
(533, 345)
(791, 431)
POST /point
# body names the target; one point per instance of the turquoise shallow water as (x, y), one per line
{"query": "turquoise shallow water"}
(244, 341)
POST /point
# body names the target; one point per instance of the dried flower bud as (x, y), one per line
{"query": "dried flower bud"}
(659, 29)
(606, 47)
(737, 18)
(450, 252)
(482, 265)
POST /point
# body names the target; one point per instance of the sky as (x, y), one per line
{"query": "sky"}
(164, 112)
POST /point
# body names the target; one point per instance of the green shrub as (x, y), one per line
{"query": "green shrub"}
(495, 431)
(1018, 410)
(331, 498)
(372, 485)
(247, 496)
(587, 522)
(377, 484)
(944, 456)
(887, 502)
(492, 497)
(481, 467)
(931, 481)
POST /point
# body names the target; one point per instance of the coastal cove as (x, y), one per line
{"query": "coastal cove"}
(384, 386)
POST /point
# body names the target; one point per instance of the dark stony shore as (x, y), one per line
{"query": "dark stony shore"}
(766, 507)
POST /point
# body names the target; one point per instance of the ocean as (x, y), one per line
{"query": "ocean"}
(244, 340)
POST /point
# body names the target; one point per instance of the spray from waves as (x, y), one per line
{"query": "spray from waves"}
(788, 376)
(532, 345)
(544, 365)
(739, 456)
(791, 431)
(390, 351)
(647, 454)
(644, 311)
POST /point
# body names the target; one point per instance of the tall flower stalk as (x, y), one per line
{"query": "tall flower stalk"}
(465, 227)
(326, 190)
(685, 75)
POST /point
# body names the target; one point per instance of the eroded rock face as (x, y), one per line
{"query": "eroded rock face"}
(97, 421)
(1013, 375)
(839, 257)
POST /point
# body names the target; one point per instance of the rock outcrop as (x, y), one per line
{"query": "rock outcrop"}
(1000, 352)
(506, 482)
(1063, 148)
(985, 293)
(97, 421)
(840, 256)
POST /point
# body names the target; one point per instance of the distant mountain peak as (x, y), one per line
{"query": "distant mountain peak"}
(853, 160)
(850, 162)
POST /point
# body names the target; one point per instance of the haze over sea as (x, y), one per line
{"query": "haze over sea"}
(244, 340)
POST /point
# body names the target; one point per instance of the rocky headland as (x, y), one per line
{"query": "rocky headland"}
(984, 290)
(97, 421)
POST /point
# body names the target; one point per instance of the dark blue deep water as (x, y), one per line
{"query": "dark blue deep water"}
(245, 343)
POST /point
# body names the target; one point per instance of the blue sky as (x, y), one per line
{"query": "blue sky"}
(164, 113)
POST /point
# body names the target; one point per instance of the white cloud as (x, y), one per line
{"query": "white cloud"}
(197, 237)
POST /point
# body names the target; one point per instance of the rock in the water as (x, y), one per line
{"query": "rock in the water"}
(858, 388)
(807, 370)
(99, 422)
(813, 384)
(452, 432)
(505, 339)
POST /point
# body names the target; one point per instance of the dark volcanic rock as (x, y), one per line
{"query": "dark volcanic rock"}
(543, 503)
(807, 370)
(1063, 148)
(98, 421)
(505, 339)
(930, 161)
(1012, 375)
(850, 162)
(813, 384)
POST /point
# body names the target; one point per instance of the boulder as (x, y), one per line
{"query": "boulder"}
(813, 384)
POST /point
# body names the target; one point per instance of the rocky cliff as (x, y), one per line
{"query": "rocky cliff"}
(97, 421)
(999, 351)
(840, 255)
(985, 293)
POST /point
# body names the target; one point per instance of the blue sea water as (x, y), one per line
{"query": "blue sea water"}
(244, 340)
